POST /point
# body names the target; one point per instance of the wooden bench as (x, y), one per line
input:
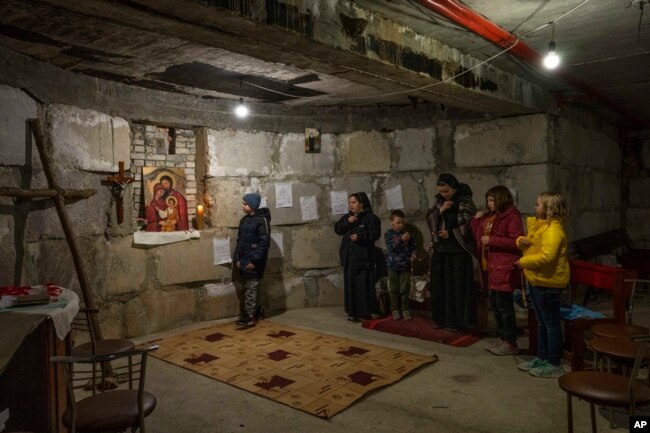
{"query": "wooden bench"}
(608, 278)
(608, 243)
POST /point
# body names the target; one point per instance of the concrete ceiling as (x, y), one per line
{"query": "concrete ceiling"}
(342, 52)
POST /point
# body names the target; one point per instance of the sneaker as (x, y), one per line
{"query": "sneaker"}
(406, 315)
(547, 370)
(396, 315)
(246, 321)
(533, 363)
(494, 345)
(353, 319)
(505, 348)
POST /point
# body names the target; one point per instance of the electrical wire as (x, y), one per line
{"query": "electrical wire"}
(555, 20)
(442, 81)
(638, 32)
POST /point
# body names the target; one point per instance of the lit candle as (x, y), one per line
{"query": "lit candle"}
(199, 217)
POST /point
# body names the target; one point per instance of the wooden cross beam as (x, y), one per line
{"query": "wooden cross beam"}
(121, 182)
(58, 195)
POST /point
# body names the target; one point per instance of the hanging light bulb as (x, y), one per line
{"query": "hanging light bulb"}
(552, 60)
(241, 110)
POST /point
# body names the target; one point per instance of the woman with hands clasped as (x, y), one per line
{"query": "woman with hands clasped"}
(496, 231)
(359, 229)
(452, 246)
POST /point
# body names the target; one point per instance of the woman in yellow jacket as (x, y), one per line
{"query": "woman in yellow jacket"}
(546, 268)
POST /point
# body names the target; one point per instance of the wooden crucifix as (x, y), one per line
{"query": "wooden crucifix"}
(58, 195)
(121, 182)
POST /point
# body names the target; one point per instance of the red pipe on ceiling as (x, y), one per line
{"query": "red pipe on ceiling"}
(470, 19)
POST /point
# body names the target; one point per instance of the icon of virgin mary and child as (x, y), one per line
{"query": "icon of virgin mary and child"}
(167, 211)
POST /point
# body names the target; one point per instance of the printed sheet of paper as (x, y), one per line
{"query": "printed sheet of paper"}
(308, 208)
(221, 250)
(339, 202)
(277, 248)
(394, 198)
(283, 195)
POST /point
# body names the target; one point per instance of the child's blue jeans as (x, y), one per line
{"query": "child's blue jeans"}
(546, 303)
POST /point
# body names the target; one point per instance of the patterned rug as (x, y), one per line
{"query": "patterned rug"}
(316, 373)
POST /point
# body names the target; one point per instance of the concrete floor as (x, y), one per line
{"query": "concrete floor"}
(468, 389)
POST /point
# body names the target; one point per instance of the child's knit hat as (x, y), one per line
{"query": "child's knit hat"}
(253, 199)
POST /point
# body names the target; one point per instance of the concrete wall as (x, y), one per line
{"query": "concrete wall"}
(147, 289)
(637, 179)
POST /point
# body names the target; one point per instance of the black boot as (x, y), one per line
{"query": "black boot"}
(246, 321)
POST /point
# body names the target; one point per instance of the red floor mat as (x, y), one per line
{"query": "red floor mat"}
(421, 328)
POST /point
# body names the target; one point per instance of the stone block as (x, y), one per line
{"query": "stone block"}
(294, 160)
(591, 222)
(239, 153)
(88, 140)
(8, 254)
(111, 320)
(412, 195)
(51, 261)
(292, 215)
(607, 191)
(284, 292)
(364, 152)
(330, 290)
(415, 149)
(645, 153)
(87, 217)
(636, 223)
(218, 307)
(314, 247)
(480, 181)
(175, 260)
(528, 181)
(508, 141)
(159, 310)
(125, 267)
(18, 107)
(639, 189)
(573, 183)
(227, 194)
(583, 147)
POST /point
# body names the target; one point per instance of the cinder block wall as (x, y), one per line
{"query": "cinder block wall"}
(147, 289)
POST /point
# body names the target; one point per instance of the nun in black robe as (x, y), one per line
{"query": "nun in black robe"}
(359, 229)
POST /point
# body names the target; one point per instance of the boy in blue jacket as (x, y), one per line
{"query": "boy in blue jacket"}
(401, 251)
(251, 252)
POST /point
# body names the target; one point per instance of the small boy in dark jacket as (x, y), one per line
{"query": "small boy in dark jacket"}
(401, 252)
(251, 252)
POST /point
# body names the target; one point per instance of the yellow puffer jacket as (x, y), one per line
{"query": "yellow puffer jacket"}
(545, 261)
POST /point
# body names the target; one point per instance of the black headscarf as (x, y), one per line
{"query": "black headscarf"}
(448, 179)
(363, 198)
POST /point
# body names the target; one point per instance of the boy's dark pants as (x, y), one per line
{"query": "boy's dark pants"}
(504, 313)
(399, 283)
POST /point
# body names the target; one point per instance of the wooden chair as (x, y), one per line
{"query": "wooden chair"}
(84, 323)
(627, 329)
(606, 389)
(108, 410)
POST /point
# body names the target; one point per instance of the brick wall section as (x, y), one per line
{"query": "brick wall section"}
(150, 148)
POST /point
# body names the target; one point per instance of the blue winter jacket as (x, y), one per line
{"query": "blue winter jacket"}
(253, 242)
(399, 251)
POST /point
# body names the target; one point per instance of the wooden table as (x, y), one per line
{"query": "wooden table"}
(30, 387)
